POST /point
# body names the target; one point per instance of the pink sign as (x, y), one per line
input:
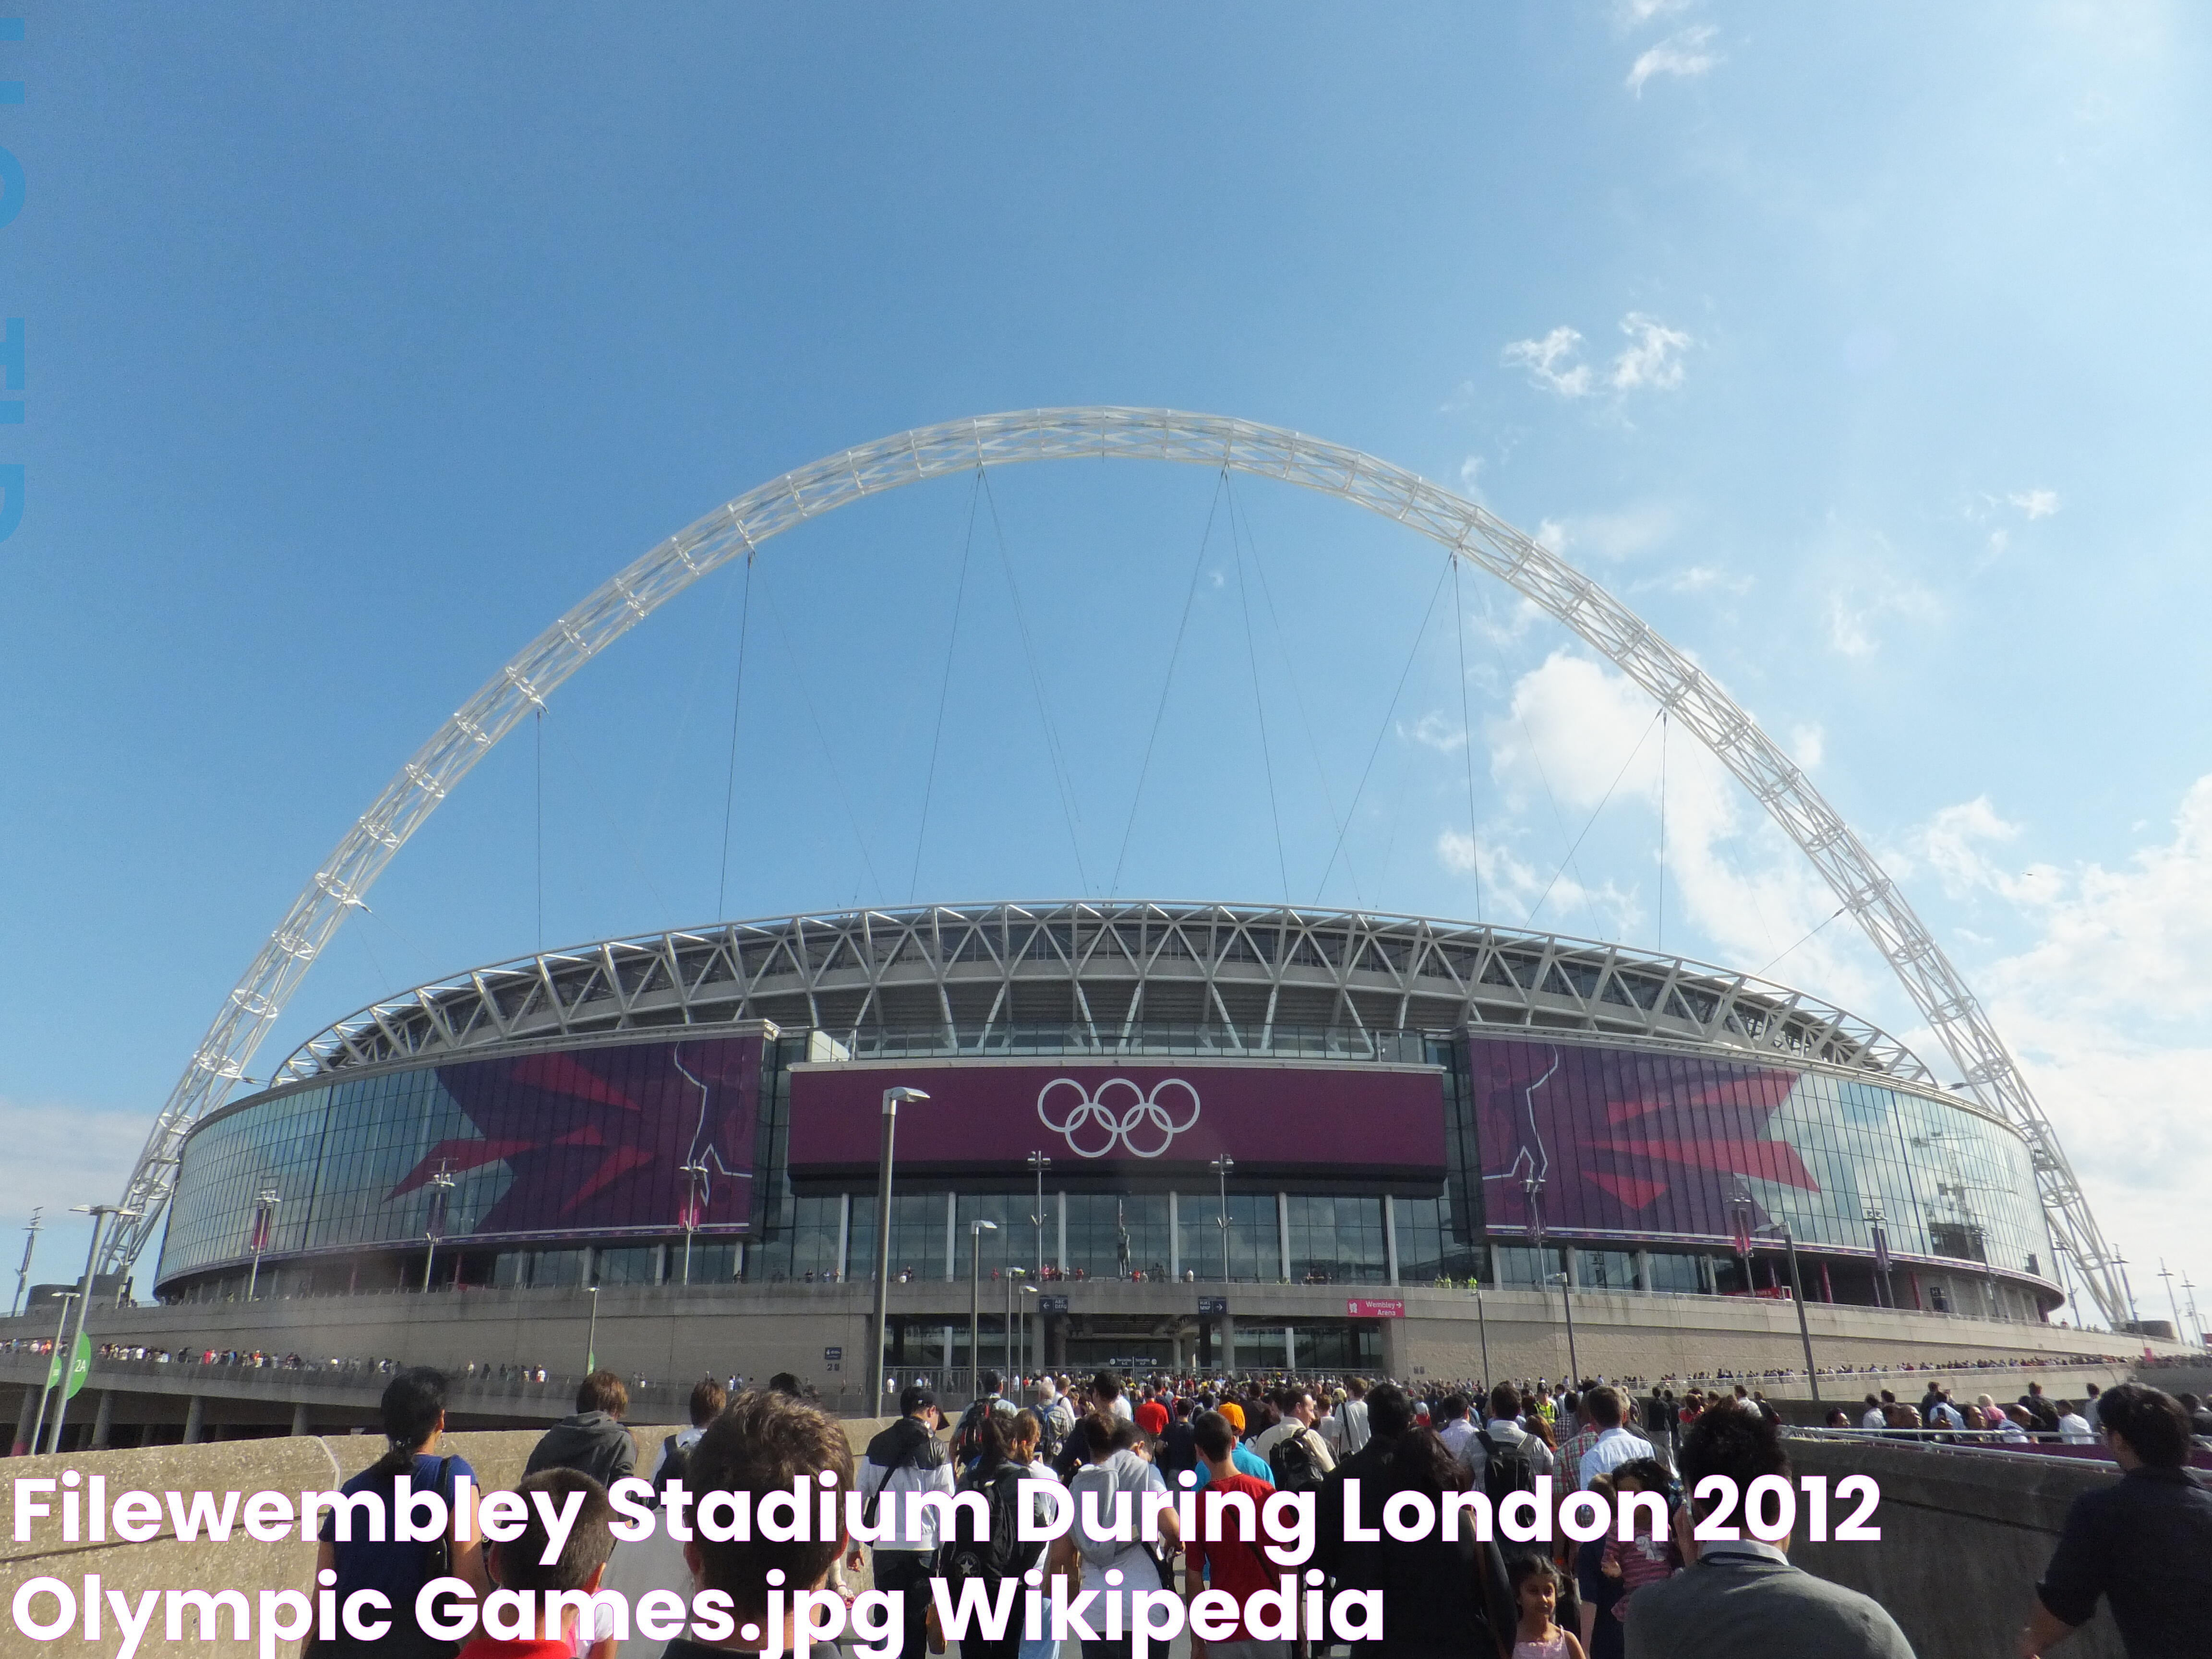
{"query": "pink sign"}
(1359, 1309)
(1088, 1116)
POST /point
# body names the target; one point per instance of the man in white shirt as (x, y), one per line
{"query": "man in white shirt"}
(2074, 1428)
(1615, 1444)
(1454, 1425)
(1352, 1416)
(1299, 1416)
(1503, 1430)
(1108, 1398)
(1873, 1417)
(906, 1457)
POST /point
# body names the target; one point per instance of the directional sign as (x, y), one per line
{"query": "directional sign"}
(1051, 1305)
(1360, 1309)
(80, 1366)
(1212, 1304)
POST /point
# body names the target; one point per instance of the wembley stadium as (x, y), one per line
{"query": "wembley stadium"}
(1131, 1091)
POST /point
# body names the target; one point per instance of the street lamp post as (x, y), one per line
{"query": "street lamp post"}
(891, 1099)
(24, 1273)
(1222, 1166)
(61, 1328)
(1014, 1278)
(1038, 1164)
(976, 1228)
(98, 1212)
(1533, 1185)
(265, 1222)
(694, 1176)
(442, 1192)
(1881, 1255)
(1797, 1294)
(2166, 1274)
(2195, 1337)
(591, 1335)
(1482, 1324)
(1027, 1353)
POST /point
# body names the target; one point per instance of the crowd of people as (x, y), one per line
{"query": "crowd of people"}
(1655, 1593)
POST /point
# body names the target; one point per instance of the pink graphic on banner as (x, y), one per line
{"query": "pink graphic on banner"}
(1154, 1116)
(1625, 1141)
(599, 1138)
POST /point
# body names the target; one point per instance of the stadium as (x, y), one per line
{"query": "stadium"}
(1136, 1092)
(1170, 1132)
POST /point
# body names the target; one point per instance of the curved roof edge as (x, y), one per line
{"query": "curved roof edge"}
(1107, 969)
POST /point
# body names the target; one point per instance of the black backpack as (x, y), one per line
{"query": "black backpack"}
(1506, 1470)
(1292, 1464)
(673, 1462)
(1000, 1554)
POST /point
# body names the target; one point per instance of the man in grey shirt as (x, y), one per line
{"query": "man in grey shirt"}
(1742, 1600)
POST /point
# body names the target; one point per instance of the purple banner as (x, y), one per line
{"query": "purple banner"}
(1172, 1117)
(1626, 1142)
(599, 1138)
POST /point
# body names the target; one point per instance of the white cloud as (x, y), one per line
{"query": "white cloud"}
(2036, 503)
(1652, 358)
(1876, 592)
(2107, 1007)
(1635, 13)
(1685, 54)
(1700, 579)
(1733, 878)
(1544, 359)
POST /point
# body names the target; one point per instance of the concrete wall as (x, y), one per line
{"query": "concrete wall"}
(1966, 1535)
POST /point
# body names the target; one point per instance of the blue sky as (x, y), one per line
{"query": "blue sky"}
(1863, 353)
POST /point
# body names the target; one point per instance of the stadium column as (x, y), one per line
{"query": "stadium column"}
(195, 1418)
(1283, 1236)
(103, 1424)
(1175, 1259)
(1390, 1235)
(23, 1419)
(951, 1250)
(1644, 1270)
(302, 1424)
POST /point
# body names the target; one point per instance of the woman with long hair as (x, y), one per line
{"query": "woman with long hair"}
(414, 1409)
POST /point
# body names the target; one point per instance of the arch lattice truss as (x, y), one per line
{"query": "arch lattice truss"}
(738, 529)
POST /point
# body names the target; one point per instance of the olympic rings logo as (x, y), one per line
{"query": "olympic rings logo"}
(1120, 1114)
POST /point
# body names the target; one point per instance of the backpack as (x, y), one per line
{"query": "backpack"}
(1052, 1431)
(1507, 1468)
(968, 1439)
(1292, 1464)
(1000, 1554)
(673, 1462)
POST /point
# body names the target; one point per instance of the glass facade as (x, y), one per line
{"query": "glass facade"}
(565, 1168)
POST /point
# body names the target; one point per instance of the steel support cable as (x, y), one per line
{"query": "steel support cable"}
(944, 686)
(1595, 812)
(1810, 935)
(822, 737)
(614, 822)
(1298, 693)
(1662, 941)
(1063, 775)
(740, 525)
(730, 778)
(1467, 740)
(1259, 703)
(1352, 812)
(1167, 685)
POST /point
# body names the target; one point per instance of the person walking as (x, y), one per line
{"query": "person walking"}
(2144, 1544)
(1742, 1599)
(1615, 1444)
(593, 1442)
(908, 1456)
(414, 1412)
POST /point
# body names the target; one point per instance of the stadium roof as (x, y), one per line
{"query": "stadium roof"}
(1104, 977)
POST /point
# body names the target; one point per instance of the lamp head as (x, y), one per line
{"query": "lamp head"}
(979, 1226)
(894, 1098)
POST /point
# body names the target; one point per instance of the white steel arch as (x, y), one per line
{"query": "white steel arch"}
(738, 529)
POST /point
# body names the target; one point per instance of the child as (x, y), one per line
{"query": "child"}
(580, 1566)
(1649, 1558)
(1535, 1583)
